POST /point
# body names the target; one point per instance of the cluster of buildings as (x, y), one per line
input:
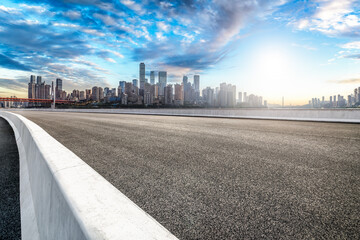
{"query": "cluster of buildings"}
(150, 93)
(352, 100)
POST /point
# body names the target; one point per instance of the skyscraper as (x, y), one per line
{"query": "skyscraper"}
(32, 79)
(142, 75)
(122, 85)
(185, 79)
(95, 94)
(31, 87)
(179, 94)
(38, 80)
(197, 83)
(162, 82)
(58, 88)
(152, 77)
(135, 82)
(168, 94)
(240, 97)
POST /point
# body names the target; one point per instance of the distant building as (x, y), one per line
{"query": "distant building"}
(168, 95)
(88, 94)
(208, 95)
(162, 82)
(58, 88)
(31, 87)
(152, 77)
(179, 94)
(122, 85)
(95, 94)
(82, 95)
(101, 93)
(240, 97)
(142, 75)
(197, 83)
(135, 82)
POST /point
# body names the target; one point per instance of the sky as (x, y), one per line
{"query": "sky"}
(291, 49)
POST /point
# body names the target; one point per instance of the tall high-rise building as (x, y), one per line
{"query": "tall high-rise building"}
(88, 94)
(58, 88)
(162, 82)
(245, 97)
(38, 80)
(101, 93)
(240, 99)
(122, 85)
(208, 95)
(31, 87)
(168, 94)
(135, 82)
(179, 94)
(47, 91)
(32, 79)
(82, 95)
(197, 83)
(152, 77)
(95, 94)
(185, 80)
(142, 75)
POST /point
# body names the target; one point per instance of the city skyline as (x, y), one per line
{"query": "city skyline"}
(280, 48)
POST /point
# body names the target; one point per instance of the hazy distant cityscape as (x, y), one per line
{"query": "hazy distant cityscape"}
(142, 92)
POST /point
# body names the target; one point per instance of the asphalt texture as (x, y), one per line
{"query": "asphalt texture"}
(211, 178)
(10, 223)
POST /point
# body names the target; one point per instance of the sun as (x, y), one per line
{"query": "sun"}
(273, 69)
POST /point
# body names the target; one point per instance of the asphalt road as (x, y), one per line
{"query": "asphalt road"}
(210, 178)
(10, 224)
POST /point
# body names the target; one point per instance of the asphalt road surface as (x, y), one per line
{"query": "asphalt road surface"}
(211, 178)
(10, 224)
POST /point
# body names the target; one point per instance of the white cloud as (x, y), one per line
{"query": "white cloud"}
(163, 26)
(133, 5)
(38, 9)
(110, 21)
(333, 17)
(8, 9)
(352, 45)
(66, 25)
(110, 60)
(93, 32)
(115, 53)
(72, 14)
(160, 36)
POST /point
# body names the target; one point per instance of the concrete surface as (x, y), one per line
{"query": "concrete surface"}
(207, 178)
(10, 224)
(70, 200)
(318, 115)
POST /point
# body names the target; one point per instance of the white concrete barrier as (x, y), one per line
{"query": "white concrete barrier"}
(321, 115)
(61, 197)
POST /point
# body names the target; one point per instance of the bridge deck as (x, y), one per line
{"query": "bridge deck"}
(205, 178)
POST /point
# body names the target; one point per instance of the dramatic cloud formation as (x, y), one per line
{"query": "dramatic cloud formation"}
(332, 17)
(84, 40)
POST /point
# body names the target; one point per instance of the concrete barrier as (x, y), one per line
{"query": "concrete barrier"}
(62, 197)
(321, 115)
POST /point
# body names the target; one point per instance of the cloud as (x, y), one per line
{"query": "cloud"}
(354, 56)
(351, 45)
(17, 84)
(332, 17)
(347, 81)
(72, 14)
(110, 60)
(9, 63)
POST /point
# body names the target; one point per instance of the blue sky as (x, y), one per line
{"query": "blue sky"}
(295, 49)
